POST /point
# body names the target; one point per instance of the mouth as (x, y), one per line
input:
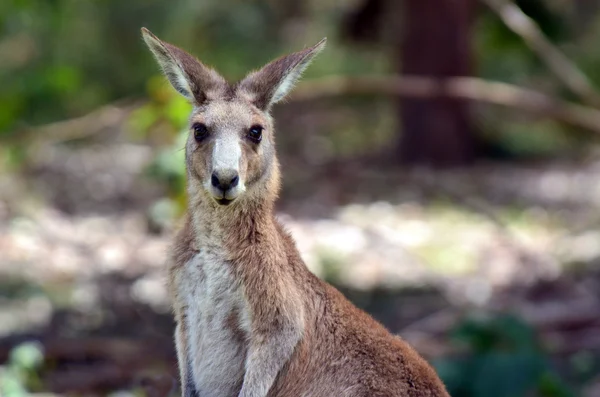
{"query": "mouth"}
(224, 197)
(224, 201)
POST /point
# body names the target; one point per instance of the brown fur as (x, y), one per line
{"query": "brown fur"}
(295, 334)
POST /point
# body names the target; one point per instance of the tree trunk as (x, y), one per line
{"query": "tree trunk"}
(436, 43)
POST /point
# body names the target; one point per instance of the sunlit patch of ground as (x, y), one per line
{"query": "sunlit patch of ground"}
(361, 247)
(415, 248)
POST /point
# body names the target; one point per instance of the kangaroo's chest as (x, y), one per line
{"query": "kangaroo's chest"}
(215, 317)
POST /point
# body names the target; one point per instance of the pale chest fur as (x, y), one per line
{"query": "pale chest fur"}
(215, 314)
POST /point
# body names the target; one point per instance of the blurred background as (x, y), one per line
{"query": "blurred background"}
(440, 163)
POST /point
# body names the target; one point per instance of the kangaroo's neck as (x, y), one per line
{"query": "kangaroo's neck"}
(235, 227)
(247, 221)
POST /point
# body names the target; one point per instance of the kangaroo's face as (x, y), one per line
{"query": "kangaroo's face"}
(230, 151)
(230, 148)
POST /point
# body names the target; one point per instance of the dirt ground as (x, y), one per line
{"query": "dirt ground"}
(82, 263)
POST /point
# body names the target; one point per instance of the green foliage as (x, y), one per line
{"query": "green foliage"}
(539, 138)
(20, 373)
(164, 119)
(63, 58)
(169, 166)
(503, 359)
(502, 54)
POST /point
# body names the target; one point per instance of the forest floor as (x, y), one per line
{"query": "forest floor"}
(82, 267)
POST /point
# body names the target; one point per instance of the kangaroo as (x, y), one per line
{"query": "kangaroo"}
(252, 320)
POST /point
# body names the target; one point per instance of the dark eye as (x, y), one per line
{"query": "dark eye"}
(255, 133)
(200, 131)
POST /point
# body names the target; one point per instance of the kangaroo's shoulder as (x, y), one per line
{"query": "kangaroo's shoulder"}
(184, 246)
(182, 249)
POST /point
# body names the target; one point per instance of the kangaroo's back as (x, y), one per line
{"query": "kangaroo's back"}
(346, 352)
(252, 320)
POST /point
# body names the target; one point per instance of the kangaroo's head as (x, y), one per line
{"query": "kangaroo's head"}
(230, 151)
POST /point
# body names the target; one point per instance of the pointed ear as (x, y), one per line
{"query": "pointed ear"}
(272, 83)
(186, 74)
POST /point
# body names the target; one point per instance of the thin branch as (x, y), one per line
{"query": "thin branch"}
(86, 126)
(526, 28)
(469, 88)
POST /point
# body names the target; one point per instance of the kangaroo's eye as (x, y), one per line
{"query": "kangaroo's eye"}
(255, 133)
(200, 131)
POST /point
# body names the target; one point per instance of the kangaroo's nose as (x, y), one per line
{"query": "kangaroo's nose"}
(225, 179)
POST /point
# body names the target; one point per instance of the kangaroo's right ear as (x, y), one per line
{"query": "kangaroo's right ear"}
(186, 74)
(272, 83)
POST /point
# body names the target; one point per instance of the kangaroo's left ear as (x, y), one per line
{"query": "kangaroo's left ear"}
(272, 83)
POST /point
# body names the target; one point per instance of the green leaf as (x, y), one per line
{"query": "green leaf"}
(27, 356)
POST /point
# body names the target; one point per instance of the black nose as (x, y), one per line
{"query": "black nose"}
(225, 180)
